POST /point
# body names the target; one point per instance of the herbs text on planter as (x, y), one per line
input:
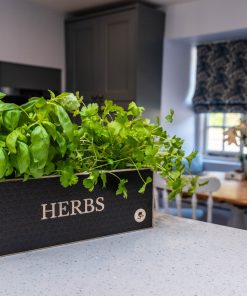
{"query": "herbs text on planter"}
(72, 208)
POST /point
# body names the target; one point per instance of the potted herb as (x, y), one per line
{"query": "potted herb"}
(111, 152)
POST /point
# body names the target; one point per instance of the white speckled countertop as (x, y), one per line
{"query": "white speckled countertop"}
(177, 257)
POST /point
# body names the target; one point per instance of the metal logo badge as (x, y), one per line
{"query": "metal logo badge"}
(140, 215)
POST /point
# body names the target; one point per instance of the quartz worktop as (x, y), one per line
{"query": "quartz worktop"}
(176, 257)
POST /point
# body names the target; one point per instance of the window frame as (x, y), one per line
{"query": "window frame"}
(217, 154)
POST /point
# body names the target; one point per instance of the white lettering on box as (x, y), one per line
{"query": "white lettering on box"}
(89, 207)
(99, 203)
(45, 211)
(75, 207)
(63, 208)
(72, 208)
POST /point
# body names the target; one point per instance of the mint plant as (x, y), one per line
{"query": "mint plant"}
(38, 139)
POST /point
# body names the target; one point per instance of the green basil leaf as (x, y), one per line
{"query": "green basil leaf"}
(64, 121)
(22, 157)
(50, 128)
(11, 140)
(61, 144)
(9, 169)
(49, 168)
(51, 153)
(39, 147)
(35, 171)
(29, 105)
(40, 103)
(11, 119)
(2, 143)
(3, 162)
(7, 106)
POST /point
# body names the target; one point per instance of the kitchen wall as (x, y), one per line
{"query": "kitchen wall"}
(176, 90)
(186, 25)
(31, 34)
(205, 17)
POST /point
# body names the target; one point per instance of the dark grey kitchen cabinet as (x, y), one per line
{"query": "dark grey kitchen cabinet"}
(117, 54)
(82, 57)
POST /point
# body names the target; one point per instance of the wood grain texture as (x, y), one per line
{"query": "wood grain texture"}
(231, 191)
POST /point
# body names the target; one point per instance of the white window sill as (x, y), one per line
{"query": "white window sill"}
(220, 164)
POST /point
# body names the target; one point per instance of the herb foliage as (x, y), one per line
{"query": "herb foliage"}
(38, 138)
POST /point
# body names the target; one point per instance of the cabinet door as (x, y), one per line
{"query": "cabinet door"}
(82, 59)
(118, 48)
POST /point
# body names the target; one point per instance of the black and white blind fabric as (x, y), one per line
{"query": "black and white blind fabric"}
(221, 79)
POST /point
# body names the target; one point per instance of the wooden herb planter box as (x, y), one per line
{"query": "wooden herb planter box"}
(41, 213)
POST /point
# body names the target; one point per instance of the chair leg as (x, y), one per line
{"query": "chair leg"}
(165, 201)
(156, 199)
(210, 208)
(179, 204)
(194, 206)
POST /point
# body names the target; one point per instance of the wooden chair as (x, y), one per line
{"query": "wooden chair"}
(213, 184)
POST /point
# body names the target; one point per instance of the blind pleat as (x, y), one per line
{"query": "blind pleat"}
(221, 79)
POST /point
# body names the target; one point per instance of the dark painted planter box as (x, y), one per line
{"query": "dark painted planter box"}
(41, 213)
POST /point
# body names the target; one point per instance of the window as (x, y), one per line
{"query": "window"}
(214, 126)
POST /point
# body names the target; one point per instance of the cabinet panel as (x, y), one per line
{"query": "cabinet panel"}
(117, 54)
(84, 52)
(84, 57)
(118, 49)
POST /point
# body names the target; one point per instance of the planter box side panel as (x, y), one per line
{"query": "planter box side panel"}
(40, 213)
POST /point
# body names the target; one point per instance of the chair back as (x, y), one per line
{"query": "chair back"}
(212, 184)
(208, 184)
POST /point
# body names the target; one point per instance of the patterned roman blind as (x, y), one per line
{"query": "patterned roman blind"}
(221, 79)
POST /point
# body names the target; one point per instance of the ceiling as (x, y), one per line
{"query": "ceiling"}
(73, 5)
